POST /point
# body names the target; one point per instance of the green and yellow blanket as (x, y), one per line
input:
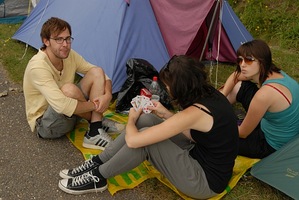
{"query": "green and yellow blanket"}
(145, 170)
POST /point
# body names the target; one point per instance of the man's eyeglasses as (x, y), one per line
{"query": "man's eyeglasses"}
(60, 40)
(247, 59)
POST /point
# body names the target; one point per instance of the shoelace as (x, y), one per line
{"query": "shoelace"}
(87, 164)
(85, 178)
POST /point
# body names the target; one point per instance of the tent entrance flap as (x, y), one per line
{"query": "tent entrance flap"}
(200, 28)
(212, 25)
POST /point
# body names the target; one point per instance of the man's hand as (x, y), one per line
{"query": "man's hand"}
(102, 103)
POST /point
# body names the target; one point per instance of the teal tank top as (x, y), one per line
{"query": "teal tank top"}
(281, 127)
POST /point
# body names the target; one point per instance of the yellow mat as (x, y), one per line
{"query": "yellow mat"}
(145, 170)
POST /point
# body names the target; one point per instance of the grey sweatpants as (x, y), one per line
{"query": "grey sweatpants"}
(170, 157)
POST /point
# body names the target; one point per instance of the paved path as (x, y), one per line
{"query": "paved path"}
(29, 166)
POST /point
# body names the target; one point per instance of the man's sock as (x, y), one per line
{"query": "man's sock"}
(93, 128)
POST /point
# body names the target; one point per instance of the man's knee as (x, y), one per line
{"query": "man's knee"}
(97, 72)
(70, 90)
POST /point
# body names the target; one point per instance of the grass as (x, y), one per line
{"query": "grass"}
(12, 53)
(285, 51)
(272, 20)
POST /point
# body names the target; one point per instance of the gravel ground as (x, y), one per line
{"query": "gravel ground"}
(29, 166)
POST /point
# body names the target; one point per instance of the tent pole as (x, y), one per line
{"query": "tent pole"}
(209, 31)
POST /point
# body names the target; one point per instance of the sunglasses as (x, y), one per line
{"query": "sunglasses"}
(247, 59)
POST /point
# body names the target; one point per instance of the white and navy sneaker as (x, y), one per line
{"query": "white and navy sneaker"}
(85, 183)
(87, 166)
(112, 127)
(100, 141)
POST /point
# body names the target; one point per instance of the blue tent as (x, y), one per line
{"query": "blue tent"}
(109, 32)
(106, 33)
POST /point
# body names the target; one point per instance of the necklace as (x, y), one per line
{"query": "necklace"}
(60, 67)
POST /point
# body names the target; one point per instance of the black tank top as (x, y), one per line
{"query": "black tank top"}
(217, 149)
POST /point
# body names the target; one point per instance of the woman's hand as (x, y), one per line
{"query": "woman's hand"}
(160, 110)
(134, 115)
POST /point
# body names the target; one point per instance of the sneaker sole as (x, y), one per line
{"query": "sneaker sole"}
(63, 175)
(102, 189)
(92, 146)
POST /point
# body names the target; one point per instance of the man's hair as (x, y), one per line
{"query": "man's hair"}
(53, 26)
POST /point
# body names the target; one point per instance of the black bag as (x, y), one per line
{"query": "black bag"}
(140, 74)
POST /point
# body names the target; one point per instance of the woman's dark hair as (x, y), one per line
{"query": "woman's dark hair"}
(186, 79)
(260, 51)
(54, 26)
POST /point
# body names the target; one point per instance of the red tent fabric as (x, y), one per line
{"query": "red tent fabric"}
(177, 23)
(192, 27)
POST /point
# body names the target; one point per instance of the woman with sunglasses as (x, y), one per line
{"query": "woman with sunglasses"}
(270, 98)
(194, 148)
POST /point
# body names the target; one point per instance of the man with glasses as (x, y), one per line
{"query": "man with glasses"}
(53, 101)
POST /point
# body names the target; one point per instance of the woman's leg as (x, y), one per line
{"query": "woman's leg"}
(255, 145)
(173, 162)
(246, 93)
(145, 120)
(148, 120)
(232, 95)
(113, 148)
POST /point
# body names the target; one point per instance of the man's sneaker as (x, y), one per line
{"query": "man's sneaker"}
(100, 141)
(83, 184)
(85, 167)
(112, 126)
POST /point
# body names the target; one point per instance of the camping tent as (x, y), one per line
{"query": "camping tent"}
(206, 29)
(15, 11)
(108, 33)
(281, 169)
